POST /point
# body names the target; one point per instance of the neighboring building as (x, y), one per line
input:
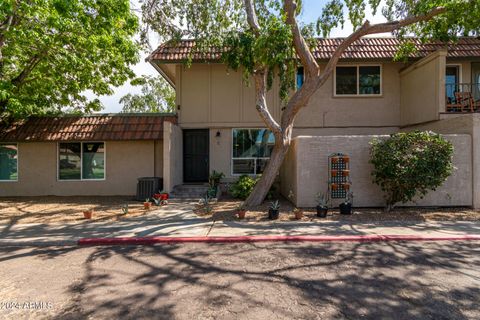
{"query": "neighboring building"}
(217, 126)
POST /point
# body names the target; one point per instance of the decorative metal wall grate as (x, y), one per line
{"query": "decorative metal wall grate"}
(338, 175)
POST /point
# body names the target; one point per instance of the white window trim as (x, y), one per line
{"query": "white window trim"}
(81, 161)
(18, 157)
(245, 158)
(357, 95)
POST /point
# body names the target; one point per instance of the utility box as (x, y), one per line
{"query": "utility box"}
(147, 187)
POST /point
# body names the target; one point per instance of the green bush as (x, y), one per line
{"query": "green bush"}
(410, 164)
(242, 188)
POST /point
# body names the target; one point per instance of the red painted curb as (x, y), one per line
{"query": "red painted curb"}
(239, 239)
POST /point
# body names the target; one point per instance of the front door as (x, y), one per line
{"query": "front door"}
(195, 155)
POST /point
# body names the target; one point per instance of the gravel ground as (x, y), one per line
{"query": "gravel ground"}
(66, 209)
(401, 280)
(224, 210)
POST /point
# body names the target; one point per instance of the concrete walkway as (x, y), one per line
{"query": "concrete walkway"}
(178, 220)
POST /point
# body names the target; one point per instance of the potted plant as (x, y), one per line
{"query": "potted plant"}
(334, 173)
(322, 205)
(298, 213)
(274, 210)
(87, 214)
(345, 173)
(147, 204)
(346, 206)
(346, 159)
(240, 211)
(334, 186)
(161, 195)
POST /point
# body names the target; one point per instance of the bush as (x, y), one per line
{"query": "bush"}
(410, 164)
(242, 188)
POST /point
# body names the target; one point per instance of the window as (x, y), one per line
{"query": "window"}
(251, 150)
(81, 161)
(358, 80)
(8, 162)
(300, 77)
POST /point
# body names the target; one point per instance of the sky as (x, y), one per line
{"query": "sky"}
(311, 11)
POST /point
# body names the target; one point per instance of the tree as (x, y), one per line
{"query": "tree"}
(264, 39)
(157, 96)
(52, 51)
(410, 164)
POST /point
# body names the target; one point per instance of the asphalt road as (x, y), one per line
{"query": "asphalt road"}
(401, 280)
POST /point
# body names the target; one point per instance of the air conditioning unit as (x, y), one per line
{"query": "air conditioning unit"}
(147, 187)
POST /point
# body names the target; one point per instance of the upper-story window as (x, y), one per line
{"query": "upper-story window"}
(8, 162)
(358, 80)
(300, 77)
(81, 161)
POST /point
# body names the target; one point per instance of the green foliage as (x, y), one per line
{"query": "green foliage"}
(242, 188)
(157, 96)
(275, 205)
(410, 164)
(215, 178)
(52, 51)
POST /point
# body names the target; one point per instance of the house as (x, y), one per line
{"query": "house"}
(216, 125)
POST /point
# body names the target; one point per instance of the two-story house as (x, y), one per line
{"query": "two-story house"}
(216, 126)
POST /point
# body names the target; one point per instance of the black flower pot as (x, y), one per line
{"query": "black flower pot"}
(273, 214)
(322, 212)
(345, 208)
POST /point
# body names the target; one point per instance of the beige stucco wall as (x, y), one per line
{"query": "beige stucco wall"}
(310, 171)
(423, 89)
(173, 156)
(125, 161)
(209, 95)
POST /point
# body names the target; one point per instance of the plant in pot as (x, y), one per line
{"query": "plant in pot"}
(274, 210)
(240, 211)
(296, 211)
(346, 206)
(147, 204)
(87, 214)
(322, 205)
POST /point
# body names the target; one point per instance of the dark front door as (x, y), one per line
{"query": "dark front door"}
(195, 155)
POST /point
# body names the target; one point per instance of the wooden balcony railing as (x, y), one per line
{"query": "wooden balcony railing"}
(462, 97)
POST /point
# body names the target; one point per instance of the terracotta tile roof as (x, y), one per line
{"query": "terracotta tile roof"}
(365, 48)
(88, 128)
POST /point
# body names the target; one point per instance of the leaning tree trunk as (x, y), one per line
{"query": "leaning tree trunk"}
(261, 189)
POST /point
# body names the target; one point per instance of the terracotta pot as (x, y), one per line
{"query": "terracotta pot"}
(334, 160)
(334, 173)
(241, 214)
(346, 186)
(147, 205)
(334, 186)
(163, 196)
(298, 214)
(345, 173)
(88, 214)
(346, 159)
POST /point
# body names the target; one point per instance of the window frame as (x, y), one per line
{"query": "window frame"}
(358, 95)
(18, 152)
(81, 161)
(245, 158)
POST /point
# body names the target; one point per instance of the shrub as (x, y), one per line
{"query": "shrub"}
(242, 188)
(410, 164)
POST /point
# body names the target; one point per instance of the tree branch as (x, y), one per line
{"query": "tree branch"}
(252, 17)
(301, 47)
(20, 79)
(260, 77)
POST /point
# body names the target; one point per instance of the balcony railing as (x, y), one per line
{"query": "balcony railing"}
(462, 97)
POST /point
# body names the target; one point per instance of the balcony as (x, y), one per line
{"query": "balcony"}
(462, 97)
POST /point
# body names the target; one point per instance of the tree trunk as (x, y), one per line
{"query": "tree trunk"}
(261, 189)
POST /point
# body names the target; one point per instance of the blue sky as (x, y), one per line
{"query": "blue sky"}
(311, 10)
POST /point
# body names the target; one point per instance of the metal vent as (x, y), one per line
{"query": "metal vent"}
(147, 187)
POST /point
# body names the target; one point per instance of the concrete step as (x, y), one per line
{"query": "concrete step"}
(189, 191)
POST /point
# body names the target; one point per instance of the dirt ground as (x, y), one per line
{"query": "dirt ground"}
(395, 280)
(66, 209)
(224, 210)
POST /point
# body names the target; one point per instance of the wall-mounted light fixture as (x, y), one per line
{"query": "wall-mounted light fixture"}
(218, 134)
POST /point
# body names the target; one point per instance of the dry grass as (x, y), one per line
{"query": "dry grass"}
(225, 211)
(66, 209)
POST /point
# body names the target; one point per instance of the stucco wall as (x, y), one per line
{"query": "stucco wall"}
(209, 95)
(125, 161)
(423, 89)
(310, 175)
(173, 156)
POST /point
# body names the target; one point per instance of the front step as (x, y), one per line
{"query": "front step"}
(189, 191)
